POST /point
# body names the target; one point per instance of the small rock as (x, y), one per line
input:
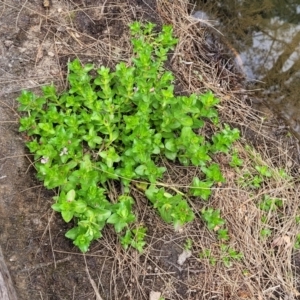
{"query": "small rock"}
(8, 43)
(154, 295)
(51, 54)
(183, 257)
(61, 29)
(13, 258)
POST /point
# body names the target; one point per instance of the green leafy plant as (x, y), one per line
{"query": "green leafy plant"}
(223, 234)
(212, 218)
(270, 204)
(188, 244)
(116, 126)
(215, 222)
(235, 160)
(229, 254)
(251, 180)
(297, 242)
(223, 140)
(201, 188)
(206, 254)
(172, 209)
(264, 171)
(134, 238)
(265, 232)
(226, 255)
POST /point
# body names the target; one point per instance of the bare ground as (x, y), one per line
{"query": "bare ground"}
(36, 41)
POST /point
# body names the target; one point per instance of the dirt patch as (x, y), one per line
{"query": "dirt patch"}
(36, 43)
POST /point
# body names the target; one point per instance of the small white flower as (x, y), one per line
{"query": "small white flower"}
(44, 160)
(64, 151)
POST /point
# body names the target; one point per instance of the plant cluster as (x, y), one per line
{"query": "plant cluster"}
(117, 125)
(216, 223)
(268, 206)
(227, 256)
(259, 173)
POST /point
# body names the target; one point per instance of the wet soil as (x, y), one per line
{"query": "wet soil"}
(266, 36)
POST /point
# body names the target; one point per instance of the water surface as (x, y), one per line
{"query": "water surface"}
(266, 33)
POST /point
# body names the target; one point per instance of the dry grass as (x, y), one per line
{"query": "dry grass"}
(266, 271)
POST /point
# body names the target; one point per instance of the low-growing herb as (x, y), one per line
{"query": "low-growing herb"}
(116, 126)
(212, 218)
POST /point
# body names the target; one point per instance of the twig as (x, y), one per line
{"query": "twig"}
(98, 297)
(17, 19)
(42, 265)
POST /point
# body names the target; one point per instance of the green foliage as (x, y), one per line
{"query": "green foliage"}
(265, 232)
(270, 204)
(255, 178)
(188, 244)
(223, 234)
(297, 242)
(206, 254)
(235, 160)
(212, 218)
(172, 209)
(134, 238)
(223, 140)
(200, 188)
(116, 125)
(264, 171)
(228, 254)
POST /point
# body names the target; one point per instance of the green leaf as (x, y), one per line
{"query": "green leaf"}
(201, 188)
(80, 206)
(71, 195)
(56, 207)
(212, 218)
(67, 215)
(110, 156)
(170, 145)
(47, 128)
(213, 173)
(126, 239)
(82, 242)
(73, 233)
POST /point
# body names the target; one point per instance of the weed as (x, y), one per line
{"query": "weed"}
(116, 126)
(212, 218)
(264, 171)
(270, 204)
(188, 244)
(265, 232)
(297, 242)
(206, 254)
(235, 160)
(226, 256)
(134, 238)
(223, 234)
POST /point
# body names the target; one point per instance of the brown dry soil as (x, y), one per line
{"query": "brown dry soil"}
(34, 49)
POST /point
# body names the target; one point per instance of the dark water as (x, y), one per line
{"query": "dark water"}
(266, 33)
